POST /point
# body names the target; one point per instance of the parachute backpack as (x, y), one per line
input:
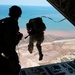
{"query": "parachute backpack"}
(36, 24)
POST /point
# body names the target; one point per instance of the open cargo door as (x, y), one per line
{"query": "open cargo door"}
(66, 8)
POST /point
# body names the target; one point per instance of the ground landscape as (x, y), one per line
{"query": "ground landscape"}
(55, 50)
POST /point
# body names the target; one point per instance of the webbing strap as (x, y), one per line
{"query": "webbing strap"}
(54, 20)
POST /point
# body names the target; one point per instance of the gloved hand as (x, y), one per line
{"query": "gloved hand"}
(20, 35)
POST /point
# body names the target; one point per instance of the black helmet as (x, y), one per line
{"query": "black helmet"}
(15, 11)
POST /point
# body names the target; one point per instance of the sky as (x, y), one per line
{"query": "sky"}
(35, 3)
(25, 2)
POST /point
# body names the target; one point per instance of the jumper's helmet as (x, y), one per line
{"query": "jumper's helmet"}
(15, 11)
